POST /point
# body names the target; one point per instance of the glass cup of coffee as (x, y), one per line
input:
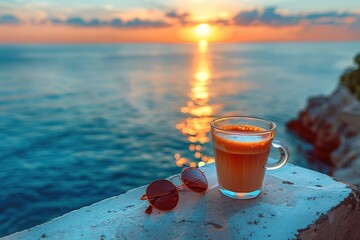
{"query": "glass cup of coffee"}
(242, 146)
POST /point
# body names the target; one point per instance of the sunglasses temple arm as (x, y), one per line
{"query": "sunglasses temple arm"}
(149, 210)
(143, 197)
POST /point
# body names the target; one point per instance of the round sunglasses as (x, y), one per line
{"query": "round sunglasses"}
(163, 195)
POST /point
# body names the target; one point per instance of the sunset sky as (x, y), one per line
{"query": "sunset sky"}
(88, 21)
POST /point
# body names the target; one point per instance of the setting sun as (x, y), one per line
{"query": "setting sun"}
(203, 30)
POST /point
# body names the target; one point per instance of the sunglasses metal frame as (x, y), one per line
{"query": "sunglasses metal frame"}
(180, 187)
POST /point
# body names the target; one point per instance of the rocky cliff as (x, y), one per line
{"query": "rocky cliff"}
(332, 125)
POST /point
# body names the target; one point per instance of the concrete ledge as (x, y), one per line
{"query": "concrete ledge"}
(295, 203)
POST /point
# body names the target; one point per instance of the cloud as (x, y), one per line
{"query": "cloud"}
(271, 17)
(314, 16)
(220, 22)
(116, 22)
(145, 23)
(246, 17)
(267, 17)
(329, 18)
(54, 21)
(183, 18)
(75, 21)
(9, 19)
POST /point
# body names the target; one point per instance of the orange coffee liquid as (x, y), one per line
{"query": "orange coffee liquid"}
(240, 160)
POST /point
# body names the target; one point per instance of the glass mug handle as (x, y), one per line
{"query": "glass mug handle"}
(284, 156)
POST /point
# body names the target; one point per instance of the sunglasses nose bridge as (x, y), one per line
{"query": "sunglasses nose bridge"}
(174, 177)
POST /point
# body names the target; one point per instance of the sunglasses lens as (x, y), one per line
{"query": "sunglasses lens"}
(194, 179)
(163, 195)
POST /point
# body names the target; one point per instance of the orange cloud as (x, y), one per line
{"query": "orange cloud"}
(69, 34)
(266, 24)
(293, 33)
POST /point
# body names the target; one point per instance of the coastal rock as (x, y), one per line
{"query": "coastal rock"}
(348, 158)
(335, 140)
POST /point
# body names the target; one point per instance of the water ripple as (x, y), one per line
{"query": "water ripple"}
(83, 123)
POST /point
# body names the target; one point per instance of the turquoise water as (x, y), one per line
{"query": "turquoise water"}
(80, 123)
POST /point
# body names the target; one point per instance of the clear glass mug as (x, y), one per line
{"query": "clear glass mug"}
(242, 147)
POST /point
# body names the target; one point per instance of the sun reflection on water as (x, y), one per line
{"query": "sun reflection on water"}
(203, 44)
(196, 126)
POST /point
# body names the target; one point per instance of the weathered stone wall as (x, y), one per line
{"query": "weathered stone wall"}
(296, 203)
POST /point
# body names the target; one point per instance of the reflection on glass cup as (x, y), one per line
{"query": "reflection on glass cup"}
(242, 146)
